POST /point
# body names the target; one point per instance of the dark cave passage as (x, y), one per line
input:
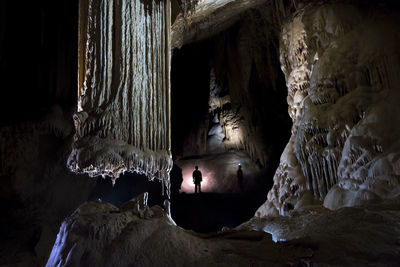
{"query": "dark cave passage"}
(190, 83)
(217, 119)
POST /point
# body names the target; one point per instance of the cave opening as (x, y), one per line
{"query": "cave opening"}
(228, 109)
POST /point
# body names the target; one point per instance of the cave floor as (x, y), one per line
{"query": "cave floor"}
(312, 236)
(210, 212)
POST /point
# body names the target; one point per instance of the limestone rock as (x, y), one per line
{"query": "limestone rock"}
(99, 234)
(340, 64)
(123, 119)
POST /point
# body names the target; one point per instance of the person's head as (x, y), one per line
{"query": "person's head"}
(240, 166)
(196, 167)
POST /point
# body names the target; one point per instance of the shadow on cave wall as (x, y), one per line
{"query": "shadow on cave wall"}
(190, 82)
(38, 73)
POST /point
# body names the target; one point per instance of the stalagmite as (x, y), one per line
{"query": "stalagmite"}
(123, 119)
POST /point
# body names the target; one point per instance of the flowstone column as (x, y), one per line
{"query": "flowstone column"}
(340, 65)
(123, 118)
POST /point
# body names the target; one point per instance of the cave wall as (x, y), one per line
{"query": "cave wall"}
(38, 190)
(340, 62)
(246, 92)
(250, 103)
(38, 62)
(38, 57)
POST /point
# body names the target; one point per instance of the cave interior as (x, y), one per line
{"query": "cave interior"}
(108, 106)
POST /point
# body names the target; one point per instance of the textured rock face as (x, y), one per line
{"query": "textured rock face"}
(99, 234)
(345, 237)
(215, 16)
(123, 120)
(340, 63)
(38, 191)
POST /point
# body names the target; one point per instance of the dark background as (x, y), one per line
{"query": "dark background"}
(38, 57)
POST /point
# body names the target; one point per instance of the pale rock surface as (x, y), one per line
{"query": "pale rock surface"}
(123, 119)
(99, 234)
(350, 236)
(204, 18)
(341, 63)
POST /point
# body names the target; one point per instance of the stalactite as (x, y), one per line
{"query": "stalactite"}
(123, 119)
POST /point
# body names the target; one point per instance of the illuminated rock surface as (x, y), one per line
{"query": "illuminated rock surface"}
(214, 16)
(341, 64)
(123, 119)
(99, 234)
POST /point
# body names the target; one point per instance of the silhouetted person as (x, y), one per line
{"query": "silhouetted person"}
(239, 174)
(176, 180)
(197, 178)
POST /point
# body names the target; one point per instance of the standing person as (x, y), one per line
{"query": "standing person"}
(239, 174)
(197, 178)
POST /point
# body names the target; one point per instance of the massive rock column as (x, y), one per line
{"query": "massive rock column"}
(123, 118)
(341, 63)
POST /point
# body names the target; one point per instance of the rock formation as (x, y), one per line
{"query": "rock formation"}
(338, 88)
(99, 234)
(249, 106)
(123, 119)
(340, 63)
(38, 191)
(335, 198)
